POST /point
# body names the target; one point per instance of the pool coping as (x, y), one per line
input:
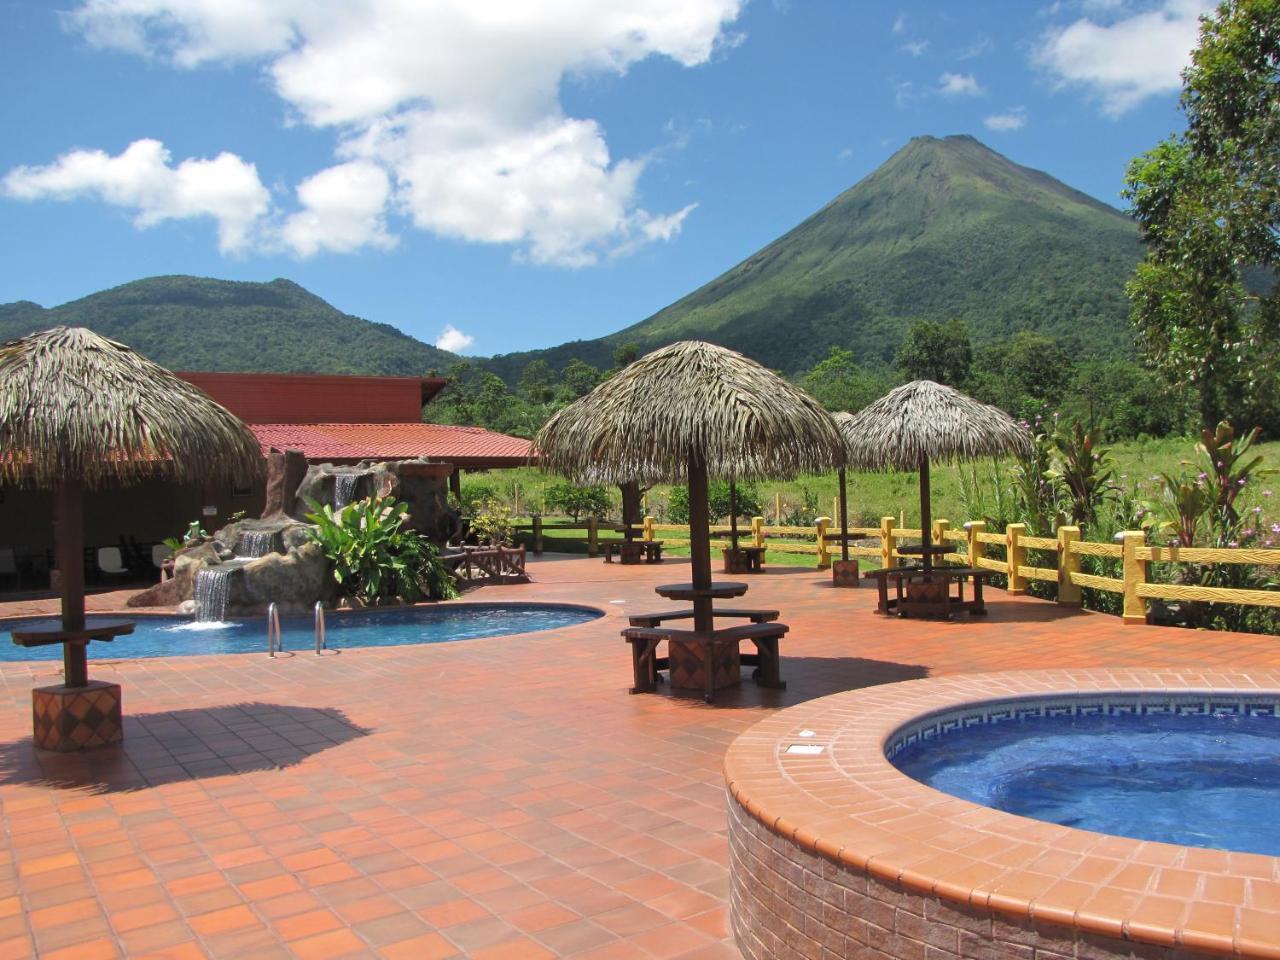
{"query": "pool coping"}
(850, 805)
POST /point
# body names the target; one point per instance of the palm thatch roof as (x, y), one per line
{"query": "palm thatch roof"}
(927, 420)
(696, 402)
(77, 406)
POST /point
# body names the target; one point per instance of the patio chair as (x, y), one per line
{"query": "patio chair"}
(111, 562)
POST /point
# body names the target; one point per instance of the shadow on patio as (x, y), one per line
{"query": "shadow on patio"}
(182, 745)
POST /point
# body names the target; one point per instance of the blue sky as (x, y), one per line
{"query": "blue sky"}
(518, 173)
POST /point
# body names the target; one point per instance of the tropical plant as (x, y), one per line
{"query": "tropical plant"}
(474, 496)
(374, 557)
(1182, 509)
(1084, 469)
(491, 523)
(1228, 470)
(1034, 488)
(576, 501)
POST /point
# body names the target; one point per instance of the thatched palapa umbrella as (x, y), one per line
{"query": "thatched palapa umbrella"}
(80, 412)
(923, 421)
(686, 412)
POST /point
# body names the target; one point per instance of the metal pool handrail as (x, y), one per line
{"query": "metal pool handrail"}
(275, 638)
(322, 642)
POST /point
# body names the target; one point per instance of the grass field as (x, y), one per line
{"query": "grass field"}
(876, 495)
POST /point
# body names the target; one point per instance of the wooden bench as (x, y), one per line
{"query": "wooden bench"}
(657, 619)
(645, 662)
(631, 551)
(932, 589)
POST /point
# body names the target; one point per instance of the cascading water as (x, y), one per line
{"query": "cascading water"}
(211, 590)
(256, 543)
(344, 489)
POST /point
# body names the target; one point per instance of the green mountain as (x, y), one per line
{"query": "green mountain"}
(196, 323)
(945, 228)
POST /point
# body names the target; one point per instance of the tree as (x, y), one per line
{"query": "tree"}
(838, 383)
(537, 382)
(578, 501)
(577, 379)
(1026, 375)
(936, 351)
(1207, 202)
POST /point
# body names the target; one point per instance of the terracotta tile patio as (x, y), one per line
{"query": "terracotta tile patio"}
(495, 798)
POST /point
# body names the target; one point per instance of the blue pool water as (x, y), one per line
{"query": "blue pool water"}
(1204, 781)
(179, 636)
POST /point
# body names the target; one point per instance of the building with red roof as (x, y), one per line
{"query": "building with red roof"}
(327, 418)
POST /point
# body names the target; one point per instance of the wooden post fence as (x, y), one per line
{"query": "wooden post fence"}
(1068, 567)
(1134, 573)
(593, 537)
(1017, 557)
(824, 556)
(888, 543)
(648, 528)
(757, 531)
(974, 529)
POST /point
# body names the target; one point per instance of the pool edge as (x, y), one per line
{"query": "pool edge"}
(851, 810)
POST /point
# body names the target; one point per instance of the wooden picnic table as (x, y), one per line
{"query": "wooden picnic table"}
(744, 559)
(928, 592)
(706, 659)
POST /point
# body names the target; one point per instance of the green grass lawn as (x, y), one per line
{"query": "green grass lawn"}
(876, 495)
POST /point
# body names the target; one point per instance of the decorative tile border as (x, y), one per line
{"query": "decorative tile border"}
(940, 723)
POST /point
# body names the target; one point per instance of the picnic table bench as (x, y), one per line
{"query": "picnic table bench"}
(928, 592)
(646, 663)
(632, 551)
(657, 619)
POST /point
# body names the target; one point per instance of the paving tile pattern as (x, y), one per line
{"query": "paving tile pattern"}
(492, 798)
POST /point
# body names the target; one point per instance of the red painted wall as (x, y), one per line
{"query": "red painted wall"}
(315, 398)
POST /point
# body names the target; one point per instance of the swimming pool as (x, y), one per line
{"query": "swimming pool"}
(1198, 774)
(180, 636)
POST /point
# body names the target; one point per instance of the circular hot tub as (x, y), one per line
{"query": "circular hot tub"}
(1162, 785)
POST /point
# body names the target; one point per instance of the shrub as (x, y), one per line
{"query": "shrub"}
(491, 522)
(374, 557)
(717, 501)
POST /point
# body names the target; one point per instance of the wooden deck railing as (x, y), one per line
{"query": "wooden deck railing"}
(1017, 555)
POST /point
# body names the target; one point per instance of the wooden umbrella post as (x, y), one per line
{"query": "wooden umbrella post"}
(926, 517)
(699, 545)
(733, 516)
(844, 516)
(69, 548)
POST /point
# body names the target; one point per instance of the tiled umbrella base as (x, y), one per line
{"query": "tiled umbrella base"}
(67, 719)
(844, 573)
(688, 667)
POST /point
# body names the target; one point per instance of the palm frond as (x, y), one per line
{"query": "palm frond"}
(75, 405)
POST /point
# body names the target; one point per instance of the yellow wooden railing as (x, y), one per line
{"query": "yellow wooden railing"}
(974, 546)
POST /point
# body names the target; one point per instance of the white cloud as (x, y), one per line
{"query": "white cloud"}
(1008, 121)
(900, 23)
(453, 339)
(845, 154)
(959, 85)
(1128, 60)
(141, 178)
(916, 48)
(979, 47)
(342, 210)
(458, 102)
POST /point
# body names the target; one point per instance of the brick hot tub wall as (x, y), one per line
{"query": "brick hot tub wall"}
(787, 902)
(834, 853)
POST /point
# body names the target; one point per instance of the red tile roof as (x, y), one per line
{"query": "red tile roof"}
(464, 446)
